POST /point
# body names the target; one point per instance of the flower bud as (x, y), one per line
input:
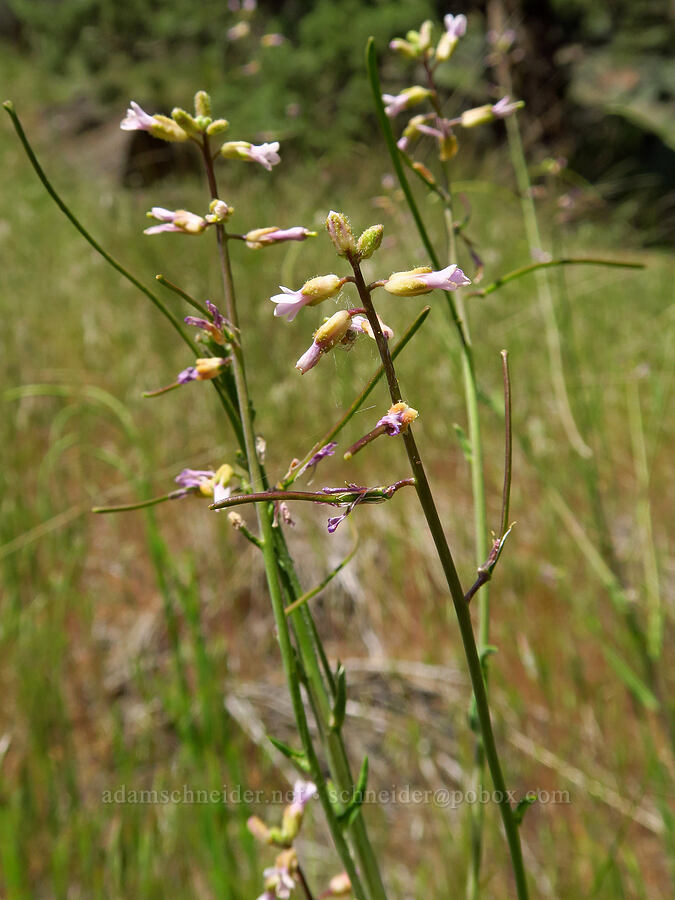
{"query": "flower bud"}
(321, 288)
(447, 148)
(339, 885)
(209, 367)
(218, 126)
(406, 284)
(340, 233)
(219, 211)
(369, 241)
(405, 48)
(166, 129)
(202, 104)
(477, 116)
(186, 122)
(327, 336)
(333, 330)
(424, 35)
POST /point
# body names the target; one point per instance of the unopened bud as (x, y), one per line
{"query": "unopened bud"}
(448, 148)
(369, 241)
(218, 126)
(219, 211)
(167, 130)
(186, 122)
(202, 104)
(340, 233)
(210, 367)
(424, 37)
(408, 284)
(333, 330)
(339, 885)
(321, 288)
(405, 48)
(477, 116)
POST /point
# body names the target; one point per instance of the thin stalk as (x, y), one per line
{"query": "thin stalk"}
(457, 594)
(476, 811)
(164, 310)
(562, 261)
(457, 314)
(269, 544)
(309, 595)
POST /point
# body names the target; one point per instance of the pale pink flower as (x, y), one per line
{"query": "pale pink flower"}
(289, 303)
(176, 220)
(455, 26)
(422, 280)
(265, 154)
(505, 107)
(137, 119)
(261, 237)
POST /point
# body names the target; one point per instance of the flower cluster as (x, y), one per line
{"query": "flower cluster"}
(419, 46)
(280, 879)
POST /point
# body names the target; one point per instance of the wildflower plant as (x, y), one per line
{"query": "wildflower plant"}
(318, 691)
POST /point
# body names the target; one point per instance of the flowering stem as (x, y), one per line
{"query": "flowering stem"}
(165, 311)
(358, 401)
(278, 565)
(457, 315)
(457, 594)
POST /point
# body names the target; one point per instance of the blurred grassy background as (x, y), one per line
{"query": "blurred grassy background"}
(121, 636)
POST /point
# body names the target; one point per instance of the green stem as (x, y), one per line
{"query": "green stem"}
(456, 311)
(564, 261)
(269, 548)
(457, 594)
(165, 311)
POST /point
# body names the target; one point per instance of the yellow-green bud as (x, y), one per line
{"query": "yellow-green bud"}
(369, 241)
(186, 122)
(448, 148)
(340, 233)
(405, 284)
(219, 211)
(424, 37)
(333, 330)
(405, 48)
(167, 130)
(477, 116)
(416, 94)
(446, 46)
(202, 104)
(321, 288)
(218, 126)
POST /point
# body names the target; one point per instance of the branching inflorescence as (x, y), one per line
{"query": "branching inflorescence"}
(313, 684)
